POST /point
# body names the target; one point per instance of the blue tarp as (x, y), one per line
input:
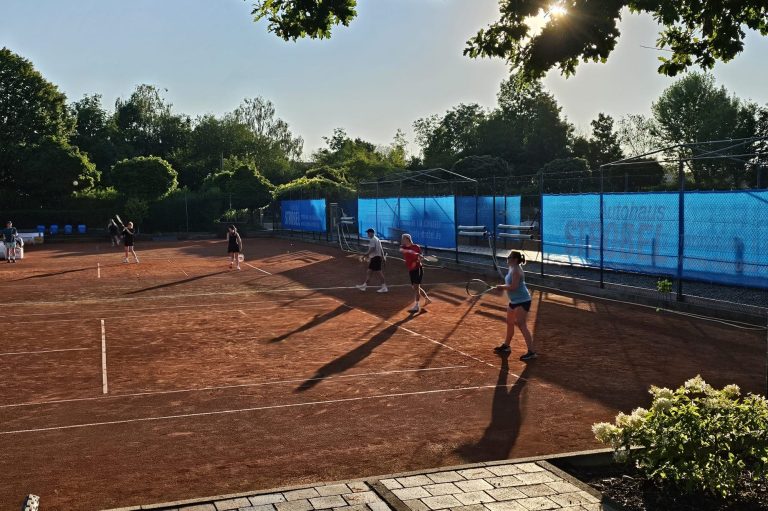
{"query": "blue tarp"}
(303, 215)
(430, 220)
(726, 233)
(480, 210)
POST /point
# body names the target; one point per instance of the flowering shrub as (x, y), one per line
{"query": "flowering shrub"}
(696, 437)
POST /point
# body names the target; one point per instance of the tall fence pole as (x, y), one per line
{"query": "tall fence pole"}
(680, 229)
(186, 210)
(541, 219)
(602, 229)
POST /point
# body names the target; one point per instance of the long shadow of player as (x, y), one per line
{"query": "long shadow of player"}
(352, 358)
(501, 434)
(176, 282)
(319, 319)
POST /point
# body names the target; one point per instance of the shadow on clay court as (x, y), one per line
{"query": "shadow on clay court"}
(352, 358)
(315, 321)
(177, 282)
(53, 274)
(501, 434)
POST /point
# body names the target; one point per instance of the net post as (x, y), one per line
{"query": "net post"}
(541, 219)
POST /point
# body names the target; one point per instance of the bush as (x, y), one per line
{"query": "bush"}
(696, 437)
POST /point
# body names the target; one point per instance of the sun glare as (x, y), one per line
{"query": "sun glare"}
(557, 10)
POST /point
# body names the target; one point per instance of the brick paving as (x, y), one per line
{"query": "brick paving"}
(522, 486)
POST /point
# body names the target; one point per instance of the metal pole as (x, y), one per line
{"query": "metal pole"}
(186, 210)
(455, 217)
(602, 230)
(541, 219)
(680, 230)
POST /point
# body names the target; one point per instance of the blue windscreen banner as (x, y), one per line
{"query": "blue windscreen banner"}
(488, 211)
(724, 238)
(429, 220)
(303, 215)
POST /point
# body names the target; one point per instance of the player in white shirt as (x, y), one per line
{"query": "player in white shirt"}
(375, 256)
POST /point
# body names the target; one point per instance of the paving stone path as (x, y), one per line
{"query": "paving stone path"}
(526, 486)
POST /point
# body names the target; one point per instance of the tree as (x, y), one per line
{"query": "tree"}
(567, 175)
(244, 182)
(31, 110)
(94, 129)
(481, 167)
(446, 139)
(50, 171)
(695, 110)
(695, 32)
(603, 147)
(637, 135)
(144, 177)
(358, 160)
(527, 129)
(146, 125)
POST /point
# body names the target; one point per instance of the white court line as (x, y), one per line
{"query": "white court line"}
(255, 268)
(412, 332)
(43, 351)
(169, 307)
(241, 312)
(250, 409)
(104, 388)
(238, 386)
(98, 270)
(220, 293)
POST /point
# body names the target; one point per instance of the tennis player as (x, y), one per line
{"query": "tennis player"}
(9, 239)
(412, 255)
(519, 305)
(128, 239)
(375, 256)
(234, 246)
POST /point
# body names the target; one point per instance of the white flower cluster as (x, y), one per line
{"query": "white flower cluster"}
(697, 385)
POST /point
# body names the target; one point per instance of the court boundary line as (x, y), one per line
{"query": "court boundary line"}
(248, 409)
(225, 387)
(174, 309)
(104, 387)
(224, 293)
(42, 351)
(418, 334)
(257, 268)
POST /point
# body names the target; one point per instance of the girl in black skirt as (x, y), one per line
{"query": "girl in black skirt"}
(128, 237)
(234, 246)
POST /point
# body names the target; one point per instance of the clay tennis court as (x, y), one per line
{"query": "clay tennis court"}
(126, 384)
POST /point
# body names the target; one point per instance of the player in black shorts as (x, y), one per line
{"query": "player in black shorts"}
(412, 256)
(375, 257)
(234, 246)
(128, 238)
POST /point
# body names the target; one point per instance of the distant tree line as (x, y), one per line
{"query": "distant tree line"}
(141, 152)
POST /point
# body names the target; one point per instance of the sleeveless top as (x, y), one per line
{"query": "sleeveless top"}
(521, 294)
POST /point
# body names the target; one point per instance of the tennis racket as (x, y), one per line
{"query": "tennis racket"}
(119, 221)
(476, 288)
(430, 259)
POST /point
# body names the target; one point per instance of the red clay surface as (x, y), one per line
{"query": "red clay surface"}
(222, 381)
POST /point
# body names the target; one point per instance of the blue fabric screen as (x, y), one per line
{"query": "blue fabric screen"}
(480, 210)
(430, 220)
(726, 235)
(303, 215)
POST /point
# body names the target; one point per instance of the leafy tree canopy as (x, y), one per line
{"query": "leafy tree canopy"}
(358, 160)
(242, 179)
(695, 32)
(144, 177)
(52, 170)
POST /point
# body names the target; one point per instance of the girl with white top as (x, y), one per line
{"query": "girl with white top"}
(519, 305)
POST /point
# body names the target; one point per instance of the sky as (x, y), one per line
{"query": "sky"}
(398, 61)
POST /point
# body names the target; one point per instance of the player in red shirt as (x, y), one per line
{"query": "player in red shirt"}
(412, 255)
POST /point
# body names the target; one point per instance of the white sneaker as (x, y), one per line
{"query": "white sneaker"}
(238, 266)
(125, 260)
(383, 289)
(137, 260)
(414, 309)
(427, 300)
(362, 287)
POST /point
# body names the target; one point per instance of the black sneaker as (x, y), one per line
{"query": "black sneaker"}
(529, 356)
(504, 348)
